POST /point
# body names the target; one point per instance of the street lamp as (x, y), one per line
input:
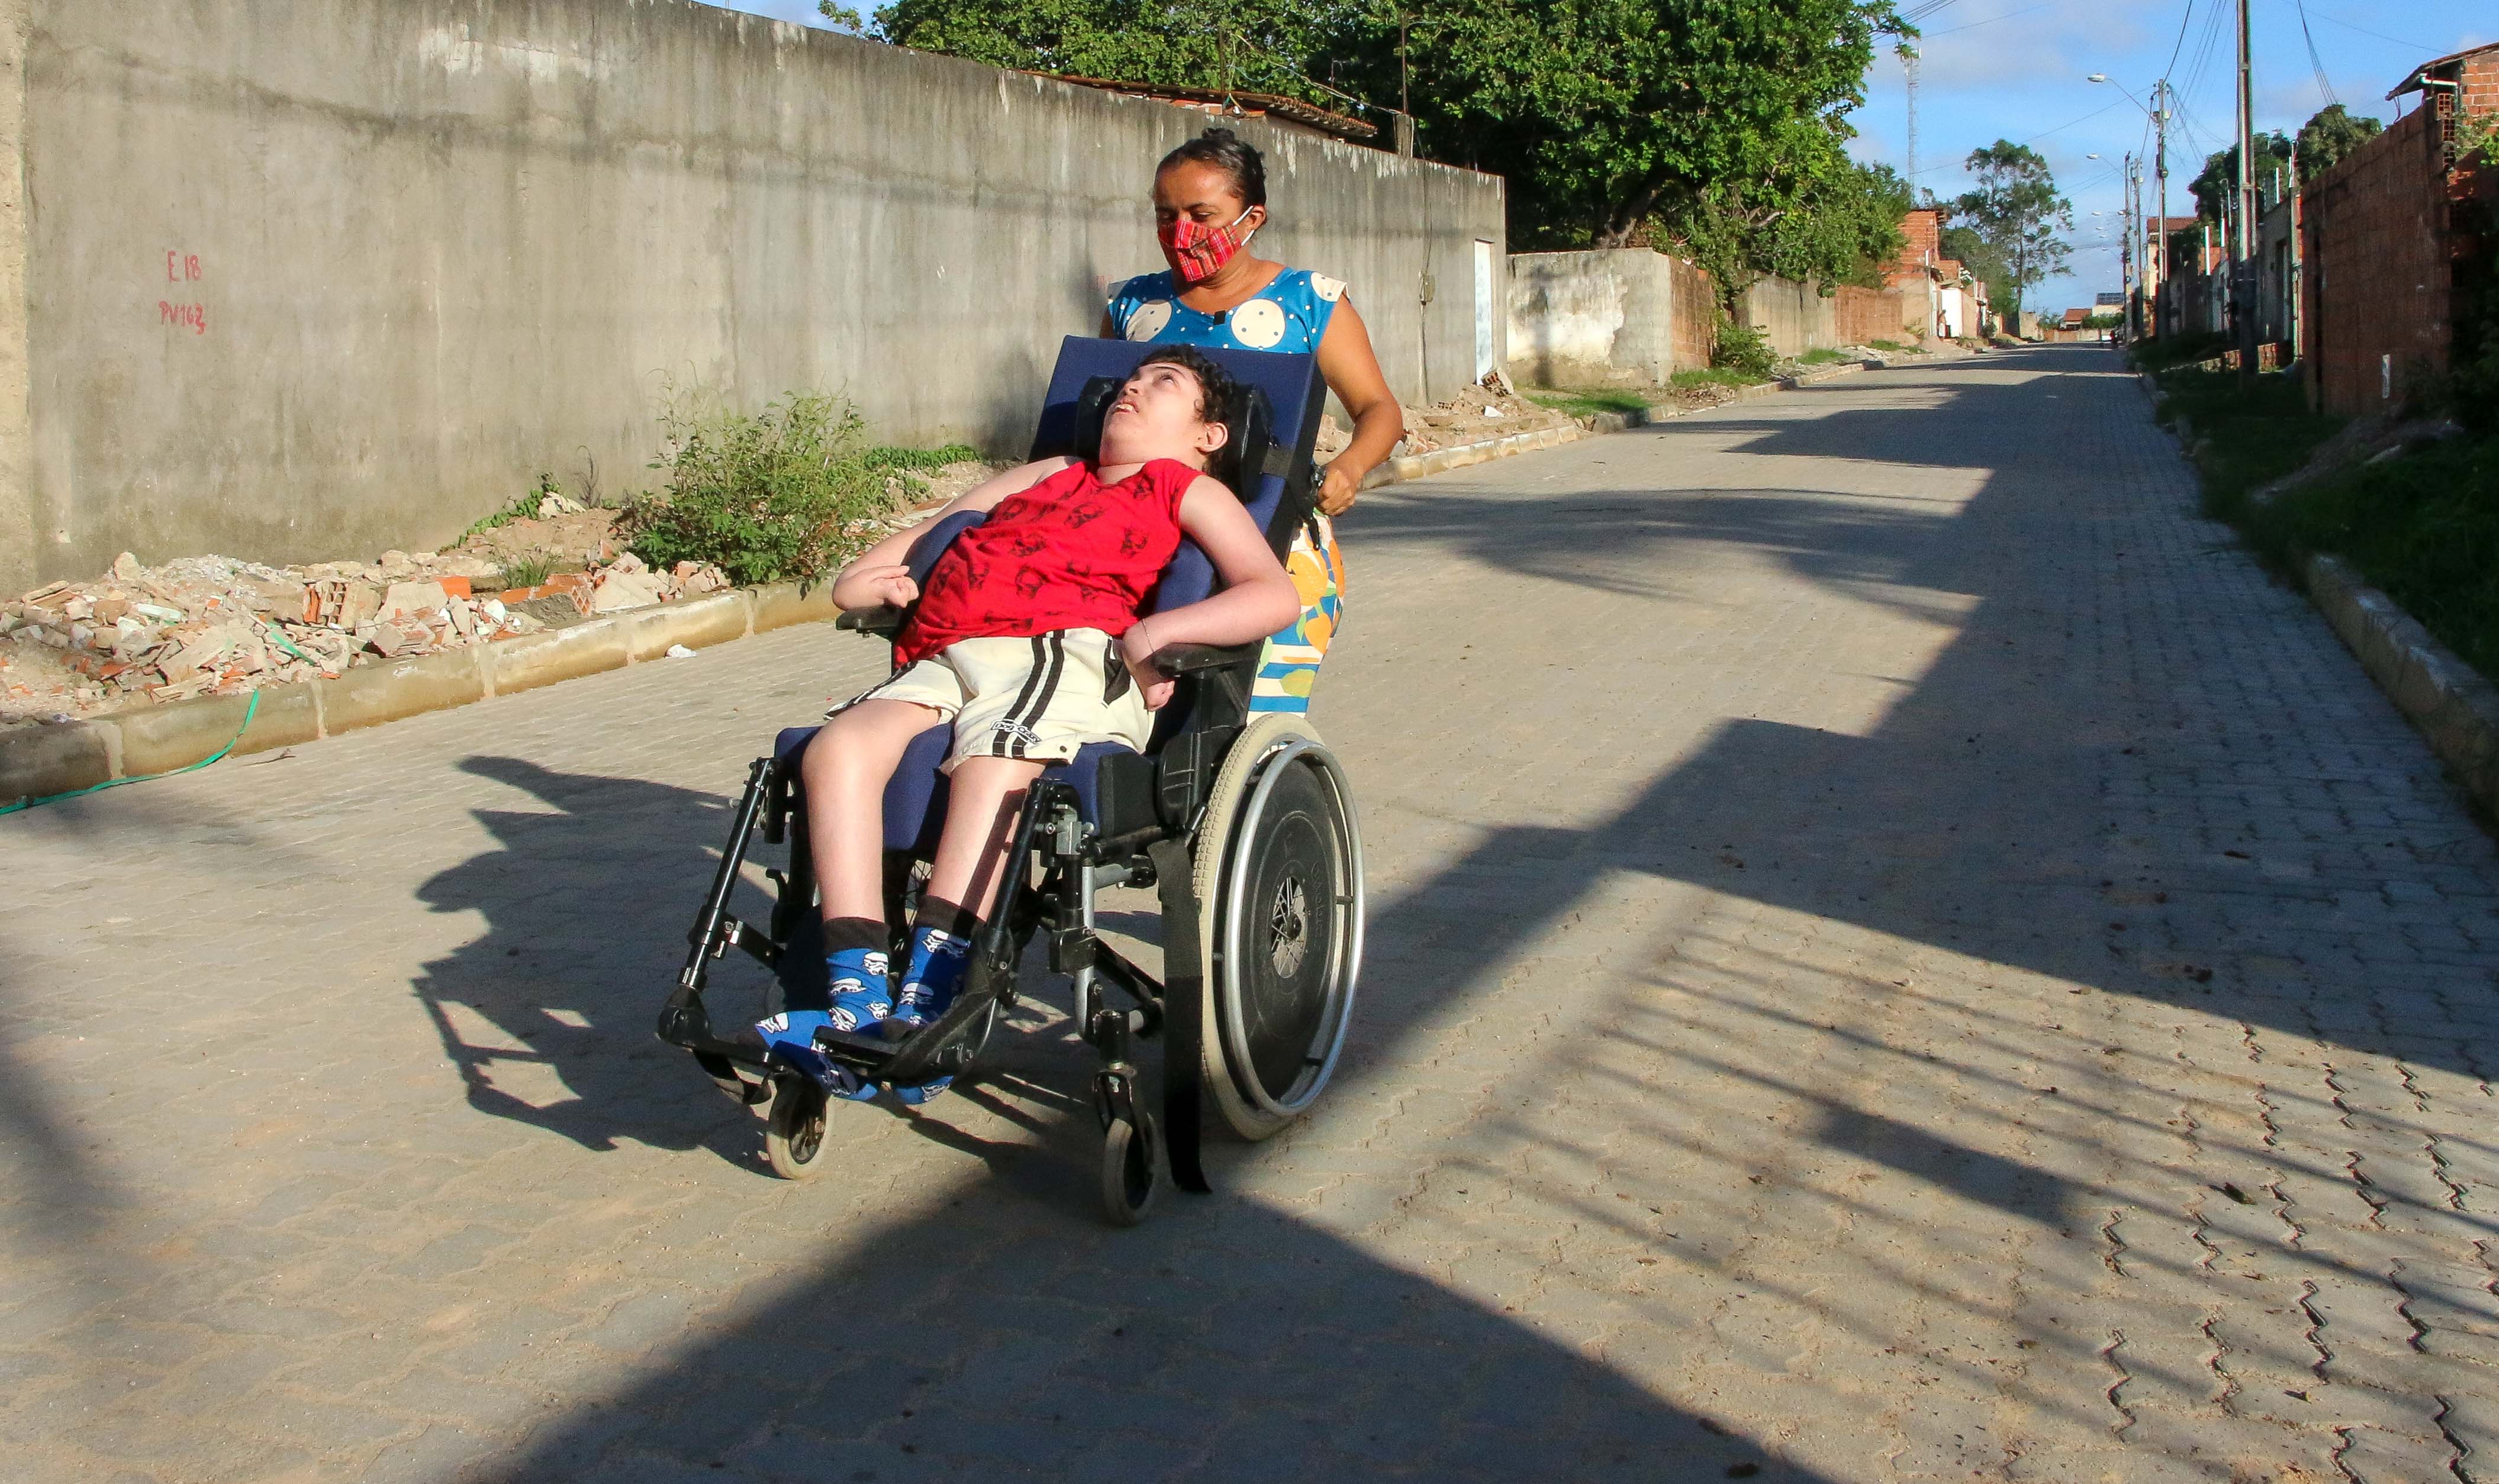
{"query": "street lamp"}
(2158, 114)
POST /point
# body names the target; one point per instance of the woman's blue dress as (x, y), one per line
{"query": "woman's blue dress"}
(1290, 315)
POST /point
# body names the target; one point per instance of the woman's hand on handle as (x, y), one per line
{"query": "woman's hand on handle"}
(1338, 490)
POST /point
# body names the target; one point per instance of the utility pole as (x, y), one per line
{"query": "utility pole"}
(2138, 282)
(2243, 256)
(1909, 66)
(2160, 165)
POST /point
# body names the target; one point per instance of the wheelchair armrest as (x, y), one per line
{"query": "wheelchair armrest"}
(884, 620)
(1190, 658)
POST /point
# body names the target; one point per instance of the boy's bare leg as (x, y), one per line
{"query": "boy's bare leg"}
(846, 769)
(982, 801)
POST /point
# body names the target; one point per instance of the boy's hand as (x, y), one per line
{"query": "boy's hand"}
(1137, 651)
(868, 586)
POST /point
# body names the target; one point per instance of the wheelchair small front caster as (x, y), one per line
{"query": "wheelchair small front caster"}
(794, 1136)
(1134, 1169)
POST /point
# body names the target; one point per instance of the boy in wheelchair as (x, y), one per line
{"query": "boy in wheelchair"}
(1029, 639)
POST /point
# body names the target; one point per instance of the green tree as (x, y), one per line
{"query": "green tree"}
(2016, 211)
(1972, 251)
(1255, 45)
(1604, 116)
(2331, 133)
(2214, 184)
(1602, 113)
(1839, 224)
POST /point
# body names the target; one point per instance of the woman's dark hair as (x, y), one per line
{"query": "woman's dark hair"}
(1229, 153)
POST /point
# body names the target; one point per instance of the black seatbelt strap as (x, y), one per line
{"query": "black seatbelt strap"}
(1183, 1011)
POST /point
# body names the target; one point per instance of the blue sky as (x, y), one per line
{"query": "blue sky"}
(2014, 69)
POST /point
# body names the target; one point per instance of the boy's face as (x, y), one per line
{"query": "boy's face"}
(1157, 416)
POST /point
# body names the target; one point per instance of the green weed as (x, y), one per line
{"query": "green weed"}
(528, 571)
(781, 492)
(2424, 528)
(922, 460)
(523, 507)
(1744, 349)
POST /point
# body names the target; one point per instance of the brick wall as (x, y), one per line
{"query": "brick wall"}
(1866, 315)
(2377, 277)
(2478, 82)
(1922, 232)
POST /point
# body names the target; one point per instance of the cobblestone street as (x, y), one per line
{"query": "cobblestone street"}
(1896, 953)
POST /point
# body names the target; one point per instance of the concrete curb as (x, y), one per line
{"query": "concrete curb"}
(2454, 707)
(39, 761)
(2449, 702)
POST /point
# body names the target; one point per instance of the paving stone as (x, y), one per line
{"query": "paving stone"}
(1748, 1074)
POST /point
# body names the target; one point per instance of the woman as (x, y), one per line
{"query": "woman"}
(1209, 200)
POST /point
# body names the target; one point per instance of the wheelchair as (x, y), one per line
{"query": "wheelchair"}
(1237, 815)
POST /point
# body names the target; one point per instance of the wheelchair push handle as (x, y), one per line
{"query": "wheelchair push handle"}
(884, 620)
(1177, 660)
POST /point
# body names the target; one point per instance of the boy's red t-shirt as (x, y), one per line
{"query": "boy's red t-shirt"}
(1069, 553)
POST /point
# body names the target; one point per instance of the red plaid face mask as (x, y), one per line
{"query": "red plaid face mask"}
(1198, 251)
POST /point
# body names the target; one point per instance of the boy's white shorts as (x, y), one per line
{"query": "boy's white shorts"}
(1040, 698)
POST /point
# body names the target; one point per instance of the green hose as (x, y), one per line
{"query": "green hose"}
(248, 712)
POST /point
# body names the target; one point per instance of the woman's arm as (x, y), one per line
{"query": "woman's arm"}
(1256, 600)
(879, 575)
(1352, 372)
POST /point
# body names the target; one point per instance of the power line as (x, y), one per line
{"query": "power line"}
(1992, 19)
(2315, 65)
(2035, 138)
(2379, 35)
(2189, 15)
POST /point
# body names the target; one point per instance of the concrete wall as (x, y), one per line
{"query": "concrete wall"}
(1628, 315)
(1605, 317)
(1793, 317)
(306, 279)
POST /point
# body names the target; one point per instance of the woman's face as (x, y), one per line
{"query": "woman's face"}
(1192, 190)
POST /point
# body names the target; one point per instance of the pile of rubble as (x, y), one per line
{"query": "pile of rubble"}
(212, 624)
(1478, 414)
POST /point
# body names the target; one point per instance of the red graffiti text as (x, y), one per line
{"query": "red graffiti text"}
(193, 317)
(181, 268)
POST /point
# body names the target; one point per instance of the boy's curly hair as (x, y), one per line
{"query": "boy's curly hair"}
(1216, 389)
(1217, 392)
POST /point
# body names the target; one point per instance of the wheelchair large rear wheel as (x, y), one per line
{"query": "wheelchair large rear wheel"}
(1279, 880)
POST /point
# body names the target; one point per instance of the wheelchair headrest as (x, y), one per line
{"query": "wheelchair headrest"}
(1247, 421)
(1277, 488)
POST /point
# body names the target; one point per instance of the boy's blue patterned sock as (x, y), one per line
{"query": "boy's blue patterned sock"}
(940, 961)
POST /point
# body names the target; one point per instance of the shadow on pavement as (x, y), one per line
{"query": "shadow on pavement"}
(1230, 1338)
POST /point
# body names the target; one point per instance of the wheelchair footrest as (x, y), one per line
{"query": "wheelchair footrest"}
(914, 1059)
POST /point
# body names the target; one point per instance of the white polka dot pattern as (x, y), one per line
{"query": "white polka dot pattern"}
(1148, 318)
(1258, 324)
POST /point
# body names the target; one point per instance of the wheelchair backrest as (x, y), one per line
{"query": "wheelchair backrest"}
(1273, 474)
